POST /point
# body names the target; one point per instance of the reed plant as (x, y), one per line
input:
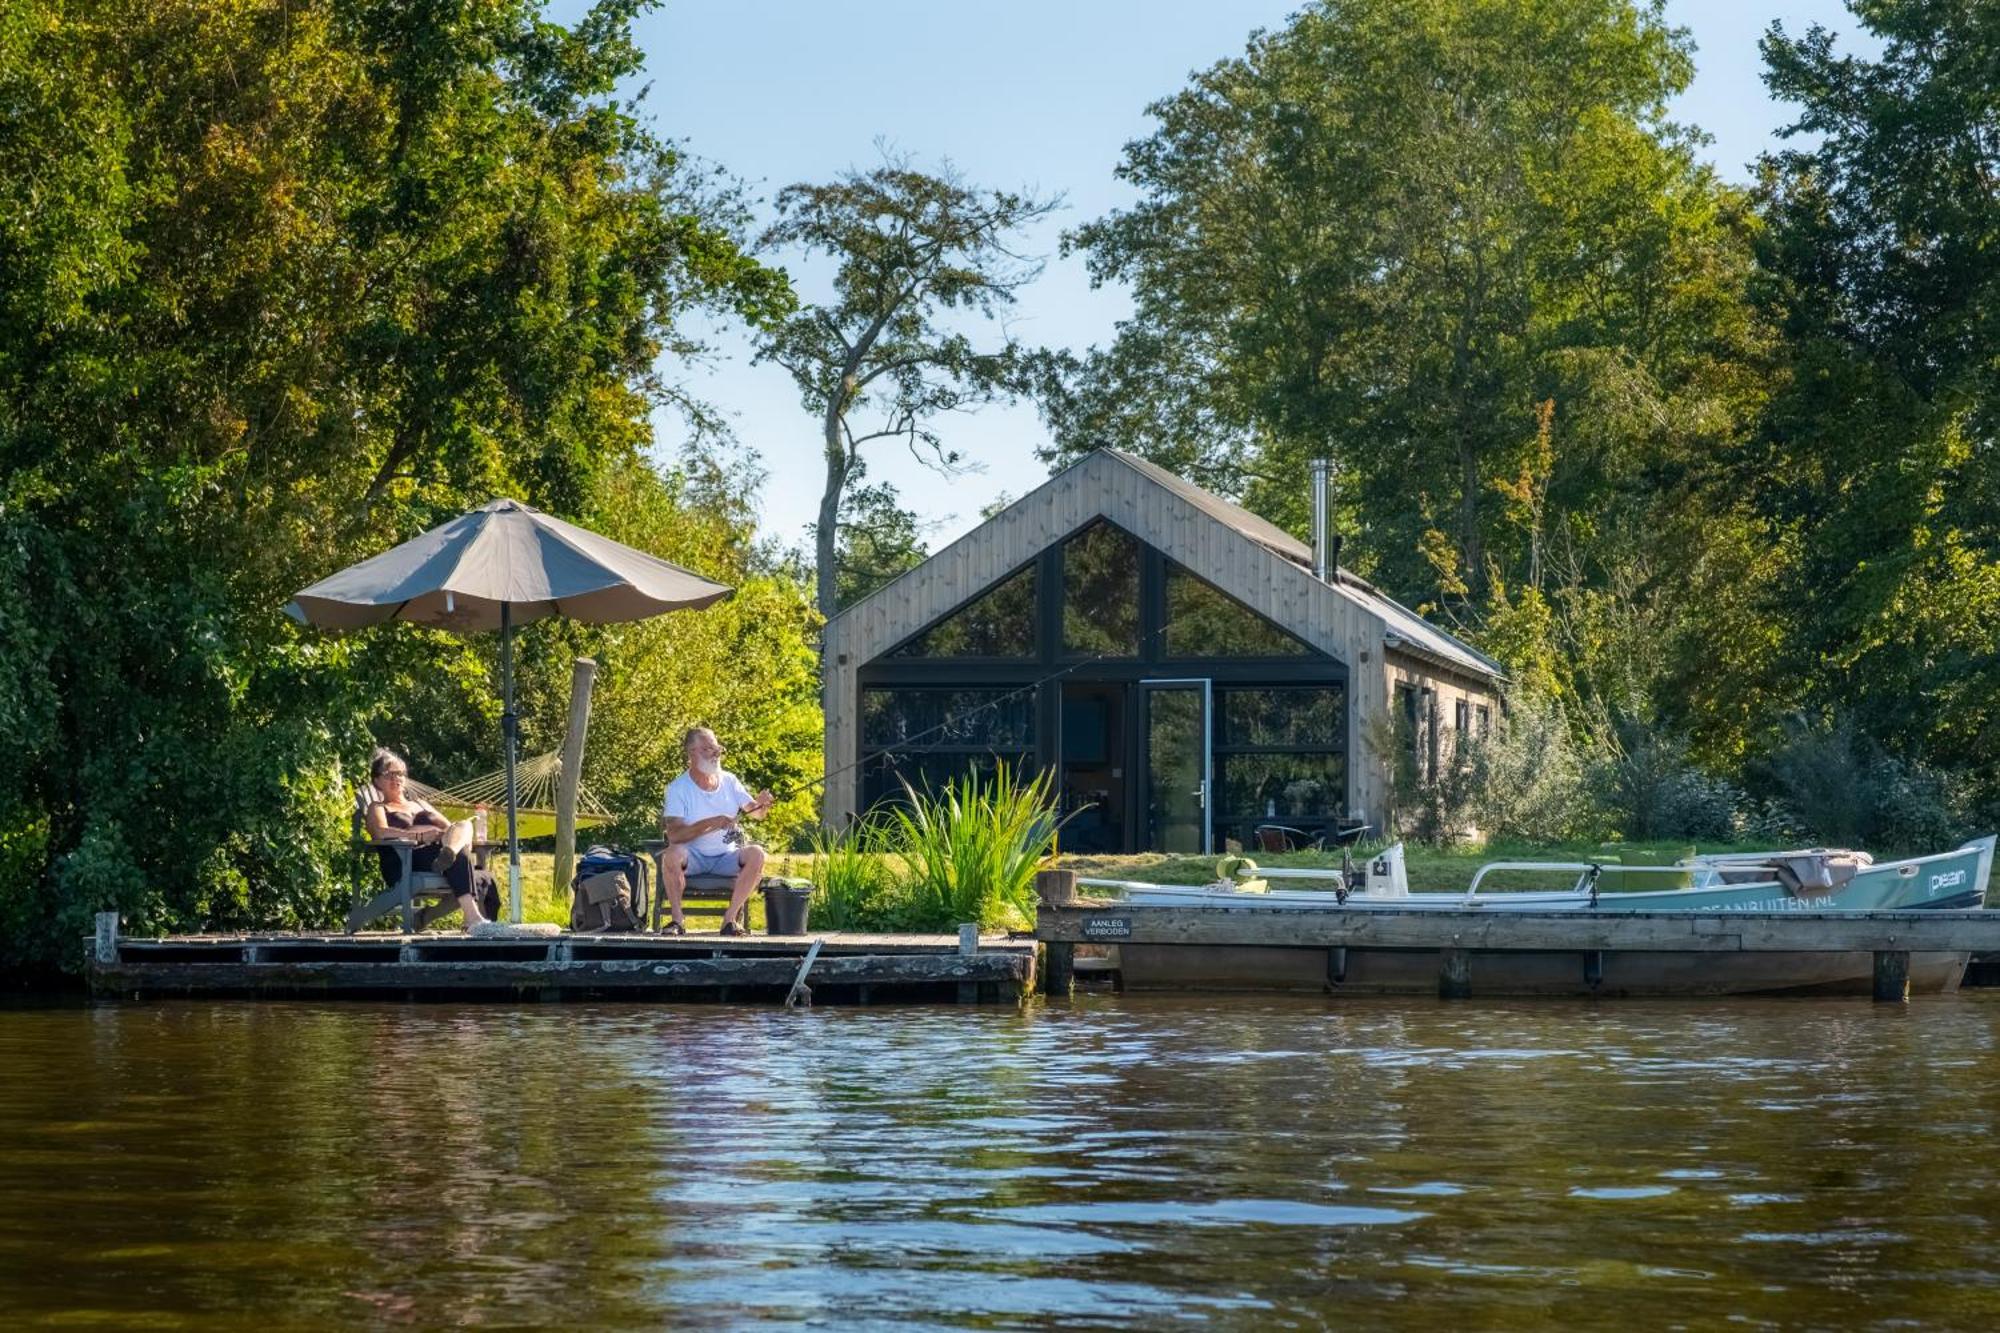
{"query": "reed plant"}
(855, 886)
(970, 848)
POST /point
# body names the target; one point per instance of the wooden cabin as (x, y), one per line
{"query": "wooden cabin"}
(1170, 656)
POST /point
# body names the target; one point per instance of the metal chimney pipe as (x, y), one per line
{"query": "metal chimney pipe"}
(1322, 547)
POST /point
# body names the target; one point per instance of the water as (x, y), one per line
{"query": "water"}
(1116, 1162)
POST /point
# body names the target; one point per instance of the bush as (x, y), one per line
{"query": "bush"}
(1841, 789)
(971, 848)
(1653, 792)
(1526, 781)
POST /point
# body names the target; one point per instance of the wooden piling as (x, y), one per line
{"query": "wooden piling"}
(1454, 974)
(1892, 976)
(105, 947)
(1057, 888)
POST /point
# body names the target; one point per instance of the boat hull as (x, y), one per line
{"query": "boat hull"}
(1358, 971)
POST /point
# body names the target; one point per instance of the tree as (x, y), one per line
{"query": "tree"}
(912, 251)
(1458, 246)
(282, 284)
(1878, 458)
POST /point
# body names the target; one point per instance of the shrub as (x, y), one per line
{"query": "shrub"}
(970, 848)
(1652, 791)
(1840, 788)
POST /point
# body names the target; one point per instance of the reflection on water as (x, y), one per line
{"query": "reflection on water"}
(1242, 1163)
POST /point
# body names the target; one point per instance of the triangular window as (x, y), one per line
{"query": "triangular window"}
(999, 623)
(1205, 622)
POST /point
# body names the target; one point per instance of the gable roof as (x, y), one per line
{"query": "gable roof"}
(991, 551)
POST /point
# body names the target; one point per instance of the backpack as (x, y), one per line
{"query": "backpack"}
(608, 892)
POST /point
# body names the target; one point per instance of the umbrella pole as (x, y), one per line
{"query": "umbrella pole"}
(509, 738)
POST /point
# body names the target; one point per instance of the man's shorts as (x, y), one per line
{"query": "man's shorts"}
(725, 862)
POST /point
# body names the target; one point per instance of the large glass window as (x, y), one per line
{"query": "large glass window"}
(1280, 758)
(1101, 593)
(927, 736)
(998, 623)
(1205, 622)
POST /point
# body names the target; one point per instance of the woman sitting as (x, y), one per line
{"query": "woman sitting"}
(444, 847)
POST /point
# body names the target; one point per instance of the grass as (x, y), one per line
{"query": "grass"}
(542, 901)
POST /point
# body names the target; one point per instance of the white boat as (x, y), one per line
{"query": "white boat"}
(1807, 880)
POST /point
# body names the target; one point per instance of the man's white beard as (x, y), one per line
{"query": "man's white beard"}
(708, 768)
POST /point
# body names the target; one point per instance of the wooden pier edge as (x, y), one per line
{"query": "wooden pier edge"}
(1458, 937)
(631, 966)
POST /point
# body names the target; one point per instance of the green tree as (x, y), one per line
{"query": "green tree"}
(282, 284)
(917, 255)
(1882, 264)
(1452, 243)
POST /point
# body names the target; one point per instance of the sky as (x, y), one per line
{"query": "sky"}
(1035, 93)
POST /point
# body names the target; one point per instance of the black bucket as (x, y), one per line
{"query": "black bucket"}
(785, 909)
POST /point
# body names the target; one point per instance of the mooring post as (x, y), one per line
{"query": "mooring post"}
(1455, 975)
(106, 951)
(968, 939)
(1892, 976)
(1057, 888)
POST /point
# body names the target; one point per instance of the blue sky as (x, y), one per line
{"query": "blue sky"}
(1042, 93)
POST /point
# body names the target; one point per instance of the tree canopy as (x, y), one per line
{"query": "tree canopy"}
(280, 286)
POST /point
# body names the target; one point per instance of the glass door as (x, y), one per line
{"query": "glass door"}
(1178, 765)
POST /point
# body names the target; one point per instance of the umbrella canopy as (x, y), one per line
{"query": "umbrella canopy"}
(501, 565)
(505, 554)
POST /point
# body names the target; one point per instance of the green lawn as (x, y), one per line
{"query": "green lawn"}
(1429, 869)
(541, 902)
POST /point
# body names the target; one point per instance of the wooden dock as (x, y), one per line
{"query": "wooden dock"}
(1471, 952)
(844, 969)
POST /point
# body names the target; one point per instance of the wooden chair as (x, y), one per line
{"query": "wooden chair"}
(411, 886)
(707, 895)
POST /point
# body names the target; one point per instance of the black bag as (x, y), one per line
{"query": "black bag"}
(608, 891)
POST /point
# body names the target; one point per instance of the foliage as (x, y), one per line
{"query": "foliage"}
(855, 886)
(1881, 264)
(1652, 791)
(879, 539)
(917, 254)
(972, 847)
(1839, 788)
(280, 286)
(1527, 780)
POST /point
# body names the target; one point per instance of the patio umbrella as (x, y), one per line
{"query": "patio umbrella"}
(501, 565)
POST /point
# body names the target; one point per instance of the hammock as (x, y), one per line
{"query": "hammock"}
(534, 786)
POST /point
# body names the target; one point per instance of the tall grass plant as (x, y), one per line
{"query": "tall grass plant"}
(970, 847)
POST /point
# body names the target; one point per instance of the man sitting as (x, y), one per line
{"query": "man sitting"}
(698, 819)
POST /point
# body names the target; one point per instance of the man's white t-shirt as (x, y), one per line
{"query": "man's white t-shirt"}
(686, 801)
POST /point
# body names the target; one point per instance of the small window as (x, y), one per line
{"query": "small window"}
(1485, 716)
(1101, 593)
(1000, 623)
(1461, 717)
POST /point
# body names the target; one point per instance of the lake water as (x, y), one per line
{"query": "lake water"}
(1237, 1163)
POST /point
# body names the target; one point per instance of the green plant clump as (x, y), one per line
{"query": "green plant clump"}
(964, 851)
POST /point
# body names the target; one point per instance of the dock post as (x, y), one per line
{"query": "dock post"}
(105, 951)
(1057, 888)
(968, 939)
(1455, 975)
(1892, 976)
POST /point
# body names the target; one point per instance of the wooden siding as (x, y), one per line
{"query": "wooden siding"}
(1102, 485)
